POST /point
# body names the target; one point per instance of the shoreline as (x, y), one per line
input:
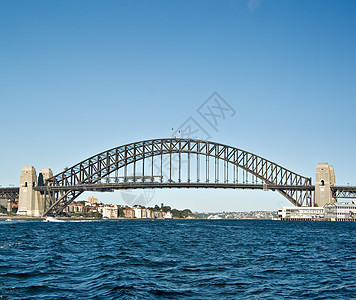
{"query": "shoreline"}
(16, 217)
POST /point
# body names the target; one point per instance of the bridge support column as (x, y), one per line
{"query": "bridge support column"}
(31, 202)
(27, 195)
(9, 205)
(42, 177)
(324, 180)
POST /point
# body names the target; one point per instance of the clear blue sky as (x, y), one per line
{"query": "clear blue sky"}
(80, 77)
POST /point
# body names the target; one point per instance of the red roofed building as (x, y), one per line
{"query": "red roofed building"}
(75, 207)
(129, 212)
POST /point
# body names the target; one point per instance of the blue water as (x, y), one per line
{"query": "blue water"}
(198, 259)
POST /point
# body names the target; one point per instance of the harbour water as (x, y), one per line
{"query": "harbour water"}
(198, 259)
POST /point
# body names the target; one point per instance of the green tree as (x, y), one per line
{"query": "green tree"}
(121, 212)
(166, 208)
(176, 213)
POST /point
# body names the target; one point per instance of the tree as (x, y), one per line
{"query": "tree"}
(176, 213)
(121, 212)
(166, 208)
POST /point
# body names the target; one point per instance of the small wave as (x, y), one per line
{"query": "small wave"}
(271, 271)
(81, 221)
(170, 293)
(10, 245)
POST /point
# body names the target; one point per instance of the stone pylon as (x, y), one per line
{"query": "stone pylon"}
(9, 205)
(27, 196)
(31, 202)
(324, 180)
(42, 177)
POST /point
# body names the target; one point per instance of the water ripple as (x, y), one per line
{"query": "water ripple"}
(200, 259)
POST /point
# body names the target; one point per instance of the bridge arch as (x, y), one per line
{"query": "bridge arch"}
(64, 187)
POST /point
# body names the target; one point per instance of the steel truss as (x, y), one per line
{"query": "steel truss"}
(177, 163)
(343, 191)
(9, 193)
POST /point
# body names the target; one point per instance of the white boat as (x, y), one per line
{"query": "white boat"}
(214, 217)
(52, 219)
(8, 220)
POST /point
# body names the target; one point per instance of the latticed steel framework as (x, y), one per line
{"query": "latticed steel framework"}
(173, 163)
(343, 192)
(9, 193)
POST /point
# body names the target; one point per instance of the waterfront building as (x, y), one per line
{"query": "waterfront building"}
(100, 209)
(168, 215)
(110, 211)
(90, 209)
(338, 211)
(137, 212)
(129, 212)
(295, 212)
(157, 214)
(146, 213)
(75, 207)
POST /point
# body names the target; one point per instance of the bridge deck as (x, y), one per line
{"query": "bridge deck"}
(142, 185)
(346, 192)
(139, 185)
(338, 191)
(9, 192)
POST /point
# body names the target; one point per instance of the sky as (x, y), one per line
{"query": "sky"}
(80, 77)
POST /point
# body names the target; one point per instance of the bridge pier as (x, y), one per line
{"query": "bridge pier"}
(9, 205)
(324, 180)
(31, 202)
(27, 194)
(42, 177)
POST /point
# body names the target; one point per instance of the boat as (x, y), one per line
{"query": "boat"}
(214, 217)
(8, 220)
(52, 219)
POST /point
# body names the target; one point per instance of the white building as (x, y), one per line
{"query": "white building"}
(168, 215)
(330, 211)
(295, 212)
(340, 211)
(138, 212)
(110, 211)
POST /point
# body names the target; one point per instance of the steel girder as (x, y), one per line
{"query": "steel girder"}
(9, 193)
(99, 166)
(348, 192)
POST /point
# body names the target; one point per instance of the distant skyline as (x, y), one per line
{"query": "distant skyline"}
(80, 77)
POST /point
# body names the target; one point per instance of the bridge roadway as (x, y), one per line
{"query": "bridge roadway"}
(338, 191)
(9, 192)
(344, 191)
(102, 187)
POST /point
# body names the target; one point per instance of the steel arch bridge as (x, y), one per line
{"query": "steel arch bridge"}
(173, 163)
